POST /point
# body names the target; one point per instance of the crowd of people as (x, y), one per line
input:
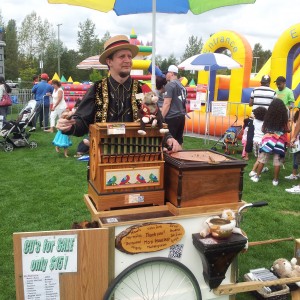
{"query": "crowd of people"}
(112, 99)
(266, 131)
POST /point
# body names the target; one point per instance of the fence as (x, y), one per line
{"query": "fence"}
(206, 125)
(19, 98)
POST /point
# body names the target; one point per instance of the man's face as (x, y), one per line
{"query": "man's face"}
(121, 63)
(280, 85)
(169, 76)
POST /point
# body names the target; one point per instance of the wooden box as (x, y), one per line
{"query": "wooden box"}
(203, 177)
(126, 169)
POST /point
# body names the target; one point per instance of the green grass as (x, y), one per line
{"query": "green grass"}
(43, 190)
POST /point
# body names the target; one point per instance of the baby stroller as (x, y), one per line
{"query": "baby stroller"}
(14, 133)
(230, 138)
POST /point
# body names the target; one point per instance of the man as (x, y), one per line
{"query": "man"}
(42, 91)
(284, 93)
(263, 95)
(173, 109)
(112, 99)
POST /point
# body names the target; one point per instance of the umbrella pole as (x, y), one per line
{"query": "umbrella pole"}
(153, 84)
(207, 109)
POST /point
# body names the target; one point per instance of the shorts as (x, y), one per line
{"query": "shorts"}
(255, 149)
(263, 158)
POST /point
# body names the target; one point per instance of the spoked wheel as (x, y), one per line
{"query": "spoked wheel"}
(33, 145)
(8, 147)
(157, 278)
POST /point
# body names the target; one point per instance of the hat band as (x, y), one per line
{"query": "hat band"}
(119, 43)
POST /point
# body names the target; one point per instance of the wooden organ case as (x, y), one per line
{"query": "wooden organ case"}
(126, 169)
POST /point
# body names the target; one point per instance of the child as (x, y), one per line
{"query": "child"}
(258, 114)
(275, 128)
(294, 175)
(295, 139)
(62, 141)
(244, 139)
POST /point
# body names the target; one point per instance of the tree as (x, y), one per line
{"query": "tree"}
(193, 47)
(34, 36)
(87, 41)
(2, 24)
(260, 57)
(166, 62)
(11, 51)
(103, 40)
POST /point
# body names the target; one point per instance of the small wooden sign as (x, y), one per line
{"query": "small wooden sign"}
(149, 237)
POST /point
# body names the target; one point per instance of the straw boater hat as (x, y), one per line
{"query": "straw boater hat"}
(118, 42)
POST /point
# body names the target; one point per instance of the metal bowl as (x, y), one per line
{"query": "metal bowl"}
(220, 228)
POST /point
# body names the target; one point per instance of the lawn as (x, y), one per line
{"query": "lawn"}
(43, 190)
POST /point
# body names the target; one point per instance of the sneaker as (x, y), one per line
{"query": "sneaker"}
(294, 190)
(275, 182)
(252, 173)
(291, 177)
(265, 169)
(32, 129)
(254, 178)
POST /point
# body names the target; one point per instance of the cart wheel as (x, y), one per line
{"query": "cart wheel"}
(8, 147)
(155, 278)
(33, 145)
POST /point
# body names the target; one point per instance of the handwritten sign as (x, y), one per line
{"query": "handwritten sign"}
(41, 286)
(219, 108)
(149, 237)
(49, 254)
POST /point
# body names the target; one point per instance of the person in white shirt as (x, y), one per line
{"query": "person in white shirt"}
(262, 95)
(59, 104)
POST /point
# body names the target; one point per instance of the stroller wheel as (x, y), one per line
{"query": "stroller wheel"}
(33, 145)
(8, 147)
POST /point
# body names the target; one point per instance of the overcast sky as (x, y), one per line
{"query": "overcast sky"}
(262, 22)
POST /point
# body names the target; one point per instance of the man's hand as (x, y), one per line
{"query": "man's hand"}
(65, 122)
(173, 145)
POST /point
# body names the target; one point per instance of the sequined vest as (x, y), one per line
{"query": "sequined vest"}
(102, 100)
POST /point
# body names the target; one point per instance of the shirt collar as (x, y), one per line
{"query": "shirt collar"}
(116, 84)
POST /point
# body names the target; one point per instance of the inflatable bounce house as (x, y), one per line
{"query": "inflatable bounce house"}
(236, 88)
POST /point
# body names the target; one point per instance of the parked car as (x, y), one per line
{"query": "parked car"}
(12, 84)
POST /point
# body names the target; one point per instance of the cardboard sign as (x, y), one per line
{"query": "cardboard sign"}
(114, 129)
(219, 108)
(201, 94)
(49, 254)
(195, 104)
(149, 237)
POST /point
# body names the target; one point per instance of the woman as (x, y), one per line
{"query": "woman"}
(160, 89)
(4, 88)
(275, 128)
(59, 104)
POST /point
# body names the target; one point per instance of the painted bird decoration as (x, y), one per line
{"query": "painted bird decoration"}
(153, 178)
(125, 180)
(111, 181)
(140, 178)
